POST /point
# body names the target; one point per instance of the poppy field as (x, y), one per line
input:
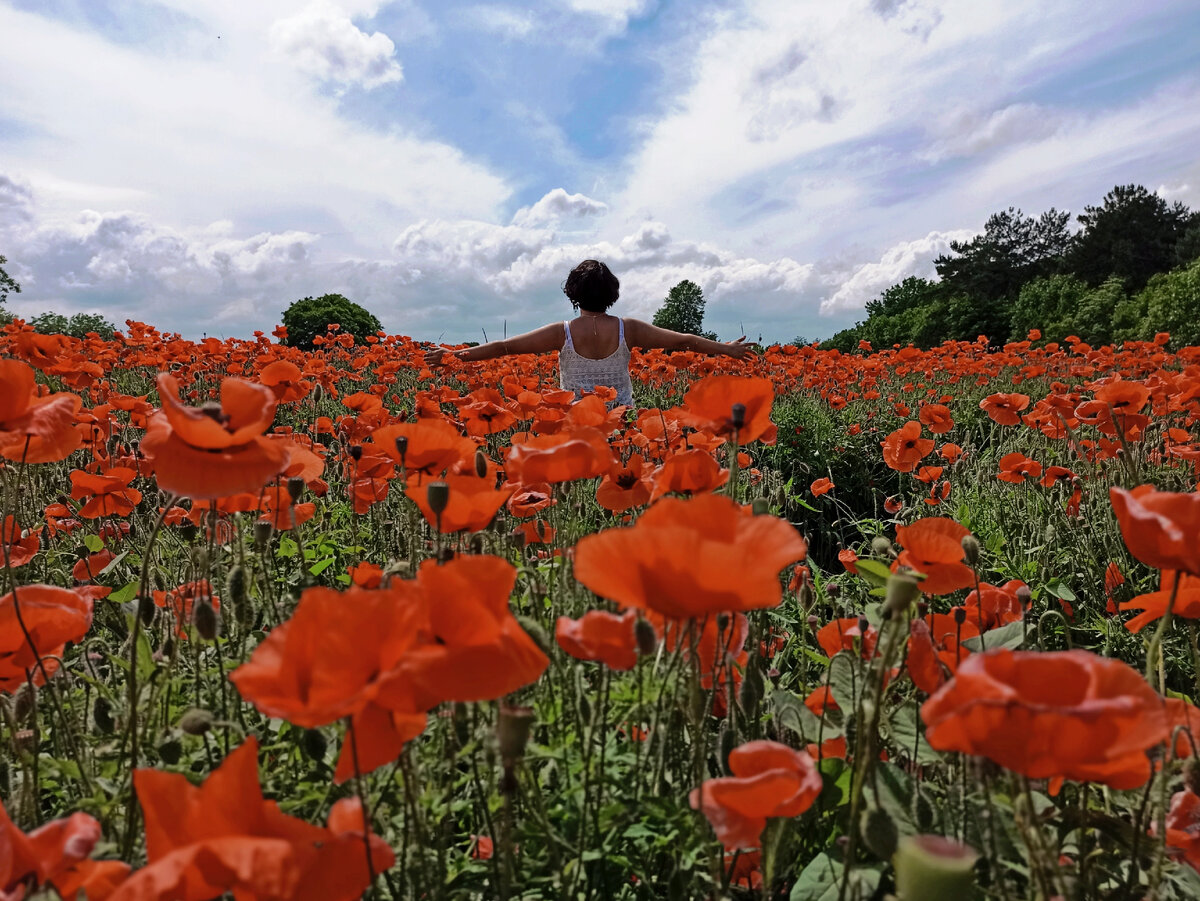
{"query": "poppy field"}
(278, 624)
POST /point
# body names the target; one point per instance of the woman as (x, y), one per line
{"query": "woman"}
(593, 348)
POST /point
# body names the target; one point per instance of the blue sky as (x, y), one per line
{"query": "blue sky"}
(199, 164)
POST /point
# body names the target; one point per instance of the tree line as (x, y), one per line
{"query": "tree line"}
(1132, 269)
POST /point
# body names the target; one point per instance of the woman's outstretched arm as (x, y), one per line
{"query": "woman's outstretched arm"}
(541, 340)
(643, 334)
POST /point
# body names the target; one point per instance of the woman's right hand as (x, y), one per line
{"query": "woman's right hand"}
(437, 358)
(740, 349)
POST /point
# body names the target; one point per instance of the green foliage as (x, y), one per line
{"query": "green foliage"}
(683, 310)
(8, 284)
(1171, 303)
(77, 326)
(310, 316)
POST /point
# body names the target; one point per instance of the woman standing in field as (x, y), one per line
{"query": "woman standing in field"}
(593, 348)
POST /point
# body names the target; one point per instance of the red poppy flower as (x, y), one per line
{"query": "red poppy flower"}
(1184, 717)
(1154, 604)
(626, 487)
(1160, 528)
(55, 856)
(995, 605)
(821, 486)
(905, 448)
(211, 451)
(933, 546)
(34, 428)
(473, 503)
(601, 636)
(223, 836)
(819, 700)
(930, 474)
(1183, 826)
(1004, 409)
(686, 558)
(530, 499)
(709, 403)
(431, 446)
(1050, 715)
(286, 380)
(282, 512)
(52, 617)
(937, 418)
(951, 453)
(892, 505)
(845, 634)
(21, 547)
(689, 472)
(366, 575)
(769, 780)
(1016, 467)
(109, 492)
(561, 457)
(849, 560)
(1055, 474)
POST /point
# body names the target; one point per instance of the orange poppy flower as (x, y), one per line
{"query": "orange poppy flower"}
(1055, 474)
(431, 446)
(1183, 826)
(1050, 715)
(1004, 409)
(689, 472)
(531, 499)
(52, 617)
(34, 428)
(20, 547)
(930, 474)
(473, 502)
(849, 560)
(687, 558)
(819, 700)
(821, 486)
(846, 634)
(933, 546)
(951, 453)
(223, 836)
(626, 487)
(937, 418)
(1186, 718)
(769, 780)
(55, 856)
(892, 505)
(1016, 467)
(281, 512)
(366, 575)
(210, 451)
(109, 493)
(561, 457)
(1154, 604)
(904, 448)
(182, 601)
(995, 605)
(286, 380)
(600, 636)
(1160, 528)
(1113, 579)
(709, 402)
(922, 661)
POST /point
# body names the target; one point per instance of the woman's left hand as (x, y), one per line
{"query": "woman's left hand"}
(436, 358)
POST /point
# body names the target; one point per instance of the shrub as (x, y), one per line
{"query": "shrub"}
(311, 316)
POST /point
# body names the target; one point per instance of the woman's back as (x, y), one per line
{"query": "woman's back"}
(594, 353)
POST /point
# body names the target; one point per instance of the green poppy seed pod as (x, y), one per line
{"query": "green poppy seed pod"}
(204, 617)
(313, 744)
(317, 393)
(196, 722)
(295, 488)
(879, 832)
(881, 547)
(512, 732)
(438, 496)
(402, 447)
(646, 637)
(902, 590)
(481, 461)
(737, 416)
(262, 534)
(169, 751)
(187, 531)
(970, 546)
(760, 506)
(199, 557)
(960, 615)
(24, 701)
(102, 715)
(146, 610)
(725, 745)
(477, 543)
(933, 868)
(356, 452)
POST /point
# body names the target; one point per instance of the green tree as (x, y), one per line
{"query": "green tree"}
(309, 317)
(8, 284)
(1171, 303)
(683, 310)
(77, 326)
(1133, 235)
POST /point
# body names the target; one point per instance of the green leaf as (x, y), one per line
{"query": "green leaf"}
(124, 594)
(287, 547)
(93, 543)
(320, 566)
(822, 878)
(112, 564)
(846, 680)
(894, 793)
(906, 735)
(1062, 592)
(789, 711)
(874, 571)
(1008, 637)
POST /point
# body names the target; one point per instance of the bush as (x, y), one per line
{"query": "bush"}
(311, 316)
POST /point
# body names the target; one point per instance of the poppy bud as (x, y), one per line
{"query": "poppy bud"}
(536, 632)
(760, 507)
(512, 732)
(970, 546)
(960, 615)
(879, 832)
(722, 622)
(737, 416)
(813, 622)
(204, 617)
(146, 610)
(262, 533)
(902, 590)
(646, 637)
(863, 624)
(751, 691)
(934, 868)
(1024, 595)
(195, 722)
(187, 531)
(806, 595)
(102, 715)
(317, 393)
(477, 543)
(169, 751)
(438, 496)
(481, 464)
(132, 533)
(199, 557)
(313, 744)
(356, 452)
(881, 547)
(725, 746)
(834, 590)
(295, 488)
(24, 701)
(402, 447)
(168, 648)
(239, 596)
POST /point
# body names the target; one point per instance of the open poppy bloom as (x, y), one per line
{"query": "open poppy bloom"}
(904, 448)
(846, 634)
(21, 547)
(769, 780)
(55, 856)
(1004, 409)
(1016, 467)
(600, 636)
(223, 836)
(109, 493)
(1050, 715)
(1154, 604)
(687, 558)
(1160, 528)
(580, 453)
(431, 446)
(689, 472)
(214, 451)
(473, 502)
(52, 617)
(34, 428)
(285, 379)
(937, 418)
(821, 486)
(995, 605)
(933, 546)
(1183, 826)
(709, 403)
(625, 487)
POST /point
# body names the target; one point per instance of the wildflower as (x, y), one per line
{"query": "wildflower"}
(1160, 528)
(1004, 408)
(600, 636)
(904, 448)
(933, 546)
(821, 486)
(52, 617)
(34, 428)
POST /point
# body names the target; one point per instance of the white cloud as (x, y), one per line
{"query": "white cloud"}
(506, 21)
(322, 41)
(969, 133)
(557, 206)
(898, 262)
(616, 10)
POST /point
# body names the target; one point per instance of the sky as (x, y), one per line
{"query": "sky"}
(200, 164)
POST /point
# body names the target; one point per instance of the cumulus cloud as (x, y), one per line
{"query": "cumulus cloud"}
(908, 258)
(558, 206)
(506, 21)
(322, 41)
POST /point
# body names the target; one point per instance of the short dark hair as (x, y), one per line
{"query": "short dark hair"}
(592, 286)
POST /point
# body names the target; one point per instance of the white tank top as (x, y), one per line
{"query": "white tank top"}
(578, 374)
